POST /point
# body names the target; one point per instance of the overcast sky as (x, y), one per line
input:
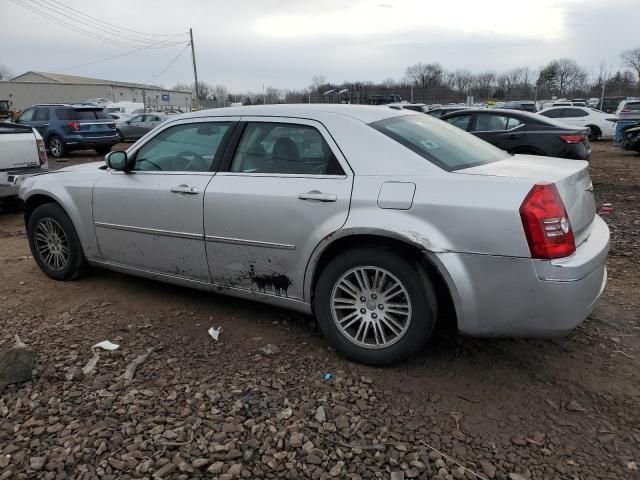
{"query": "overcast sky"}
(244, 44)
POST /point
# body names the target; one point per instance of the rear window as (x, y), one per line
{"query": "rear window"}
(634, 106)
(442, 144)
(71, 114)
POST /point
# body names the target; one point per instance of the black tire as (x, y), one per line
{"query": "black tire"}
(119, 136)
(416, 283)
(103, 150)
(56, 147)
(594, 133)
(76, 262)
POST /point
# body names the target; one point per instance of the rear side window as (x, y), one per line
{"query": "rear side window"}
(42, 115)
(460, 121)
(283, 148)
(513, 122)
(440, 143)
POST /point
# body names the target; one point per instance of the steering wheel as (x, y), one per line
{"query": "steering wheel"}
(197, 164)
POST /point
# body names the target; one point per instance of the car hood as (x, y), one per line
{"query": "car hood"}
(84, 167)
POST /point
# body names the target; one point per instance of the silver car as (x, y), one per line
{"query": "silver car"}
(373, 219)
(138, 125)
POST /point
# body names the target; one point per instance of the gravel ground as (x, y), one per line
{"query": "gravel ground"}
(270, 400)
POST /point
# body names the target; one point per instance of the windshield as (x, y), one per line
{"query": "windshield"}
(442, 144)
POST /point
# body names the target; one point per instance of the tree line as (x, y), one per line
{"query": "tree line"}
(430, 82)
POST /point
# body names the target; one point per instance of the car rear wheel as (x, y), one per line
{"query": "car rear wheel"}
(103, 150)
(57, 147)
(594, 133)
(54, 242)
(374, 306)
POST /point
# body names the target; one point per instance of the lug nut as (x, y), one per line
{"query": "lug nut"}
(363, 310)
(363, 299)
(374, 296)
(381, 307)
(374, 316)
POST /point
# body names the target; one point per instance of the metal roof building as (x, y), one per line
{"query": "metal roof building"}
(43, 87)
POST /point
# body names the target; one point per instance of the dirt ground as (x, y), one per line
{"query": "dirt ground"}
(564, 408)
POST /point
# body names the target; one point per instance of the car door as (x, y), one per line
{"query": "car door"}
(134, 128)
(41, 120)
(500, 129)
(151, 218)
(284, 188)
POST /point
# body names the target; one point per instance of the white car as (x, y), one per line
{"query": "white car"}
(596, 120)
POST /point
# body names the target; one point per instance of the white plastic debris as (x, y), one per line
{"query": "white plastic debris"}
(106, 345)
(19, 343)
(214, 332)
(91, 364)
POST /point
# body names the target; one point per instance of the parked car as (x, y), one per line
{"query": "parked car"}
(416, 107)
(628, 110)
(441, 111)
(125, 107)
(524, 132)
(22, 154)
(137, 126)
(522, 105)
(71, 127)
(121, 117)
(596, 120)
(299, 206)
(610, 104)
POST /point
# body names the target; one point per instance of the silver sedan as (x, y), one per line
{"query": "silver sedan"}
(136, 126)
(377, 221)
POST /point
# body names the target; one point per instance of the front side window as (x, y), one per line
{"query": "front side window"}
(574, 112)
(184, 148)
(282, 148)
(555, 113)
(460, 121)
(486, 122)
(42, 115)
(27, 115)
(438, 142)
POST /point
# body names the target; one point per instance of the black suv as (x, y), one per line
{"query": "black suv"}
(71, 127)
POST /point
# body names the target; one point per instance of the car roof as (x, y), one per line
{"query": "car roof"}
(362, 113)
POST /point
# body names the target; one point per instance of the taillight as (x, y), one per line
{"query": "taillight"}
(42, 151)
(625, 110)
(74, 126)
(573, 138)
(546, 223)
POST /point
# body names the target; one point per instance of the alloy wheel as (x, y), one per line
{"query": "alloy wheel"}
(371, 307)
(56, 147)
(51, 244)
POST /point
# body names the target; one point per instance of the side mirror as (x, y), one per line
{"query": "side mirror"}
(119, 161)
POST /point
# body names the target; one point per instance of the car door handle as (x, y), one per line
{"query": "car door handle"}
(185, 189)
(318, 196)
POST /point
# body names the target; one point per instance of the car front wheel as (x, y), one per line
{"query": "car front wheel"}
(54, 242)
(57, 147)
(374, 306)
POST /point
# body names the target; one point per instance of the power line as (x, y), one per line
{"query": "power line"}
(104, 59)
(86, 23)
(116, 26)
(88, 33)
(175, 59)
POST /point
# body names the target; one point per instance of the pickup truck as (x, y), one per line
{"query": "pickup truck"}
(22, 154)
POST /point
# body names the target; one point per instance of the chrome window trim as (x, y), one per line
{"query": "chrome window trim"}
(284, 175)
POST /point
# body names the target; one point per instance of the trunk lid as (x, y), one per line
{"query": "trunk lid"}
(571, 178)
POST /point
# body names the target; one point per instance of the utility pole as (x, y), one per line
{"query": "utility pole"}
(195, 70)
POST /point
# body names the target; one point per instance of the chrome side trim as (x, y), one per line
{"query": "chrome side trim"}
(251, 243)
(150, 231)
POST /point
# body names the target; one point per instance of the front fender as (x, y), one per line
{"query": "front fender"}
(74, 194)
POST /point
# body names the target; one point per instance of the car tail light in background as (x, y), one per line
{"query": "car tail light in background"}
(546, 223)
(42, 151)
(573, 138)
(625, 110)
(75, 126)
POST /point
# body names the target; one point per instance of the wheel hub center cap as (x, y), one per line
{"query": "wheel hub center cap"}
(371, 305)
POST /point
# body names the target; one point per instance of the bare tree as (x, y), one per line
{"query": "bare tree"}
(220, 93)
(5, 72)
(631, 59)
(424, 75)
(317, 81)
(182, 87)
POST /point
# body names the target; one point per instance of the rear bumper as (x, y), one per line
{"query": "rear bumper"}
(10, 181)
(76, 142)
(520, 297)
